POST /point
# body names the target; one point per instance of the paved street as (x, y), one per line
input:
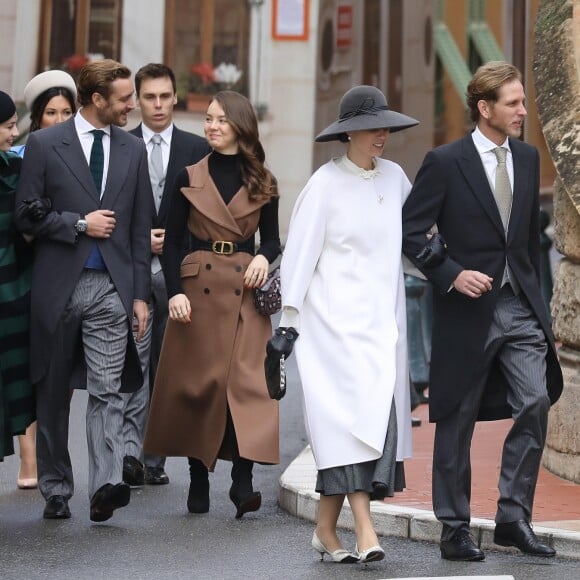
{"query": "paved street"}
(155, 537)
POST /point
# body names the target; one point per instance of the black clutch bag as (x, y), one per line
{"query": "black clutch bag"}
(278, 349)
(433, 253)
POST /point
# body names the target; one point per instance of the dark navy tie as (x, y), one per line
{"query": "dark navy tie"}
(97, 159)
(96, 164)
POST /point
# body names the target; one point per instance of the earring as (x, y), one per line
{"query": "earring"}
(348, 137)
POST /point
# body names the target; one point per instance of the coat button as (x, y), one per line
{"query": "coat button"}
(208, 266)
(237, 291)
(206, 290)
(238, 268)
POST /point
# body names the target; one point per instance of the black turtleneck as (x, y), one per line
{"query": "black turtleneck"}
(226, 173)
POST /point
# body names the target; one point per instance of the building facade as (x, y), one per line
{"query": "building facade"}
(297, 57)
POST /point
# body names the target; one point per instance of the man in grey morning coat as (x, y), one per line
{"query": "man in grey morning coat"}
(91, 276)
(493, 349)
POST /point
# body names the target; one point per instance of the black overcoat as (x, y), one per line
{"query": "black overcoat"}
(186, 149)
(453, 191)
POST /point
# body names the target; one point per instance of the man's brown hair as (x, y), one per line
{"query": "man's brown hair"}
(486, 82)
(154, 70)
(97, 77)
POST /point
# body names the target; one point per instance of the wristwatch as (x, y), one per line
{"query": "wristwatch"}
(81, 225)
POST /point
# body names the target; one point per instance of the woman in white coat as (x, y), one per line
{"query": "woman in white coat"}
(343, 292)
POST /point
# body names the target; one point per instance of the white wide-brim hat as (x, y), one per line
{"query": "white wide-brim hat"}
(364, 108)
(48, 80)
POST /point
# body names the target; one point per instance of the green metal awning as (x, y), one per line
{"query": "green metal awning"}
(484, 42)
(452, 60)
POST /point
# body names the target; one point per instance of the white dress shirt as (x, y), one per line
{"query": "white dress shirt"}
(165, 142)
(485, 149)
(84, 128)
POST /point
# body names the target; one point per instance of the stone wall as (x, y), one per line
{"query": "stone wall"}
(557, 80)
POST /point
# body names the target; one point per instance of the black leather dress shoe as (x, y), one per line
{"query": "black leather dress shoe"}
(461, 548)
(520, 535)
(133, 473)
(107, 499)
(56, 508)
(156, 476)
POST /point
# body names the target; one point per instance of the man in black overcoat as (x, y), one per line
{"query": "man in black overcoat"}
(493, 350)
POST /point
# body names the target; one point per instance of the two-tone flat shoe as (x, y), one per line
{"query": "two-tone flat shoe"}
(340, 556)
(373, 554)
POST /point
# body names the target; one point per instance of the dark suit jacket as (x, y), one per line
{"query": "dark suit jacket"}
(452, 190)
(55, 167)
(186, 149)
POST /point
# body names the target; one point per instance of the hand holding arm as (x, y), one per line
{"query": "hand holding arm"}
(36, 209)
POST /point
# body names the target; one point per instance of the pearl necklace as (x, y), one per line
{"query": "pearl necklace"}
(366, 174)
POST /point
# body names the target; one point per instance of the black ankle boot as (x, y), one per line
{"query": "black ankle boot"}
(198, 496)
(242, 493)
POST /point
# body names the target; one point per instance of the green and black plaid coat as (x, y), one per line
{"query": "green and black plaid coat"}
(16, 392)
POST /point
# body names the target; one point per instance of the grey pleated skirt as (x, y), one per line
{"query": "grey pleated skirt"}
(379, 478)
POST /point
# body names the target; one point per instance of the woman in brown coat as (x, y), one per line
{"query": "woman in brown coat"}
(210, 399)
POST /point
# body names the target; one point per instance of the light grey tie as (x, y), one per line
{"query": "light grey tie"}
(503, 188)
(157, 174)
(503, 198)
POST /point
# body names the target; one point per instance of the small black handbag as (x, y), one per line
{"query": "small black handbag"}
(278, 349)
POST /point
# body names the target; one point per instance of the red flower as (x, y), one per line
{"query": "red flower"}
(204, 71)
(75, 62)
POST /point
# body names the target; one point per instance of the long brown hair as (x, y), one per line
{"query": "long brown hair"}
(240, 114)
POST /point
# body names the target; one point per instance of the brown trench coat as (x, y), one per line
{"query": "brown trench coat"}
(217, 360)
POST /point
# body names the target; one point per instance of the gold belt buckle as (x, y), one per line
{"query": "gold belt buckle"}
(223, 248)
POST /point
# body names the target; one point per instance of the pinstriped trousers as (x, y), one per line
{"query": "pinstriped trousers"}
(149, 349)
(517, 342)
(96, 314)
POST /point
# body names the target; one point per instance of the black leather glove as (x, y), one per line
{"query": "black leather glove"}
(278, 349)
(434, 252)
(36, 209)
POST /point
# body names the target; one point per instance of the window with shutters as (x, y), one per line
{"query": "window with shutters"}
(74, 30)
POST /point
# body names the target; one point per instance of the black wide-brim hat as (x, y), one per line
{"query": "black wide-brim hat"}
(364, 108)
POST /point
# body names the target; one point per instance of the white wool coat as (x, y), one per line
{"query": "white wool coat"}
(342, 271)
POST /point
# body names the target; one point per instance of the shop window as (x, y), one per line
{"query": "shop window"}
(384, 69)
(202, 34)
(74, 29)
